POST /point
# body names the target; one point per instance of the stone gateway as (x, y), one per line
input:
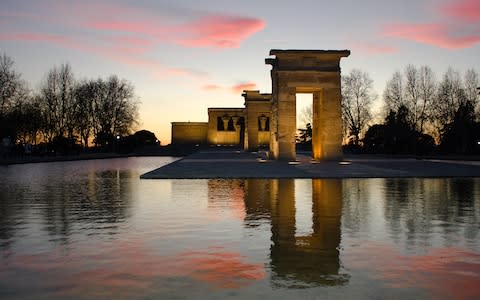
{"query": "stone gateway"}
(306, 71)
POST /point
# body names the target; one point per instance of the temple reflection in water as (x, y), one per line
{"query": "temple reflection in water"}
(296, 260)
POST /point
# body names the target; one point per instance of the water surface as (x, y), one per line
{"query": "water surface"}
(94, 230)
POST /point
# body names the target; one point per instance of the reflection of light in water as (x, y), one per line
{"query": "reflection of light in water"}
(303, 208)
(345, 163)
(301, 258)
(130, 268)
(69, 232)
(446, 272)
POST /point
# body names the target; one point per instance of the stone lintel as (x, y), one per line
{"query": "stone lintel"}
(303, 53)
(226, 109)
(314, 60)
(189, 123)
(311, 69)
(255, 96)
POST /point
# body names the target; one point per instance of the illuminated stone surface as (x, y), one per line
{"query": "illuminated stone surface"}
(225, 126)
(189, 132)
(306, 71)
(257, 119)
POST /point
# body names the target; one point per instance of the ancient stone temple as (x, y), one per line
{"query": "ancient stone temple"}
(306, 71)
(270, 119)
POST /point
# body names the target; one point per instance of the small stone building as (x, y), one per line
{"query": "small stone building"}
(247, 127)
(189, 133)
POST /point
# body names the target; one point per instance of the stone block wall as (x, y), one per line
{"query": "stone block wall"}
(189, 133)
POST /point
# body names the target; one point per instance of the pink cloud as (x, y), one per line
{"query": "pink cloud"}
(435, 34)
(220, 31)
(462, 10)
(126, 33)
(120, 53)
(239, 88)
(146, 28)
(36, 37)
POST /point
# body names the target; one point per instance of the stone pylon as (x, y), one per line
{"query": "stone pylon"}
(306, 71)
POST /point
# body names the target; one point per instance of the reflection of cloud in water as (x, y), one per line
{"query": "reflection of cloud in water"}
(450, 272)
(126, 269)
(226, 195)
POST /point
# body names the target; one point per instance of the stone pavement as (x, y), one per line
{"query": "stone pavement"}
(210, 164)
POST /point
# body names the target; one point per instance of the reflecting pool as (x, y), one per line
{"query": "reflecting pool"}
(94, 230)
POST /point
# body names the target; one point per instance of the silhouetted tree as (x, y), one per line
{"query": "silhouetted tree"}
(450, 96)
(304, 138)
(26, 118)
(13, 90)
(357, 97)
(12, 87)
(58, 102)
(115, 110)
(463, 133)
(471, 83)
(427, 93)
(396, 136)
(86, 94)
(393, 95)
(414, 90)
(305, 134)
(145, 137)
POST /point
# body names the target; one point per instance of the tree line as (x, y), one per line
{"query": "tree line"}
(419, 113)
(65, 112)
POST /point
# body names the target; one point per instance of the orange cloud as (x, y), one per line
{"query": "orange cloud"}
(434, 34)
(239, 88)
(211, 87)
(235, 89)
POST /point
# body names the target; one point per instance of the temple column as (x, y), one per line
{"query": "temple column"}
(225, 120)
(286, 123)
(327, 124)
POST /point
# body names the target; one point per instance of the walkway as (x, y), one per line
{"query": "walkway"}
(238, 164)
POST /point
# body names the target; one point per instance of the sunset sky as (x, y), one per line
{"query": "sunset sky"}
(187, 55)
